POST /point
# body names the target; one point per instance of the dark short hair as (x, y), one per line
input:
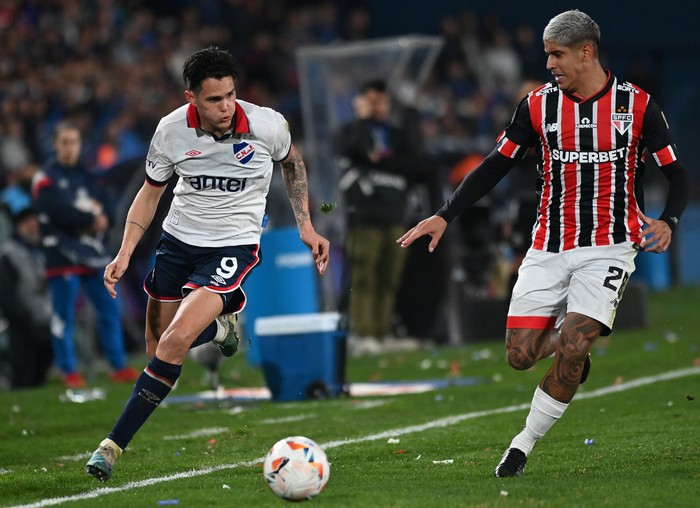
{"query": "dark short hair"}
(374, 85)
(23, 214)
(211, 62)
(65, 125)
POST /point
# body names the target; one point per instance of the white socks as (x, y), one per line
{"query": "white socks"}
(544, 413)
(221, 331)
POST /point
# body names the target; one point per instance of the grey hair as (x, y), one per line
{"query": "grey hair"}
(571, 28)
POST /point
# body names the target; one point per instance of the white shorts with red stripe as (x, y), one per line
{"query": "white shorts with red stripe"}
(585, 280)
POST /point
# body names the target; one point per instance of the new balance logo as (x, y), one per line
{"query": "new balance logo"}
(551, 127)
(193, 153)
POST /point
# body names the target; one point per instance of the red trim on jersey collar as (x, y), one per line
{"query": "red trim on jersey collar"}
(239, 123)
(603, 90)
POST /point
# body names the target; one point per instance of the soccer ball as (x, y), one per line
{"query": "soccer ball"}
(296, 468)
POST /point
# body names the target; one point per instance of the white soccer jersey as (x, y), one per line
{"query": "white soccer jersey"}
(221, 192)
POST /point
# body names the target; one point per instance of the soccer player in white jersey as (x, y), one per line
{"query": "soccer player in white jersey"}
(222, 150)
(590, 131)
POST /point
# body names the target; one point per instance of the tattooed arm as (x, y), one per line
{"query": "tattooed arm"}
(295, 180)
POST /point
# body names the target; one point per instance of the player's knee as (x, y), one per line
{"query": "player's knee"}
(519, 361)
(176, 341)
(518, 354)
(573, 346)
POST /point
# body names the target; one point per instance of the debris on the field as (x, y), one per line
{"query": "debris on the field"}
(15, 408)
(212, 441)
(226, 487)
(399, 452)
(504, 493)
(589, 441)
(669, 403)
(438, 398)
(689, 397)
(393, 440)
(4, 471)
(671, 337)
(426, 364)
(497, 378)
(327, 207)
(446, 461)
(650, 346)
(163, 502)
(81, 396)
(419, 456)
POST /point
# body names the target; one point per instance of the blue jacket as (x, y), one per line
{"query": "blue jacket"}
(64, 198)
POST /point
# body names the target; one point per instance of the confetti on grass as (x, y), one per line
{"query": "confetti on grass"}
(327, 207)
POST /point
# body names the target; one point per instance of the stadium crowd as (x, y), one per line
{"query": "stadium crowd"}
(113, 68)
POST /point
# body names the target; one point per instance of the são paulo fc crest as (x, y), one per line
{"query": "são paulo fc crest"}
(622, 121)
(243, 152)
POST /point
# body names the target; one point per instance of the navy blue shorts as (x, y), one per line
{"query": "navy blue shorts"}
(180, 268)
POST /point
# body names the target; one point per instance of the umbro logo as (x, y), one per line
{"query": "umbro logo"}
(217, 280)
(193, 153)
(149, 397)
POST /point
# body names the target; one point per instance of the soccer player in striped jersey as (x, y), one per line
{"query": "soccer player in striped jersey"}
(591, 131)
(222, 150)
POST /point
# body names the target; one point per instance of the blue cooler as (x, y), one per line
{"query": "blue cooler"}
(285, 282)
(302, 355)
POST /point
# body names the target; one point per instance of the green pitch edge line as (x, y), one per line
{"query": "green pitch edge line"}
(442, 422)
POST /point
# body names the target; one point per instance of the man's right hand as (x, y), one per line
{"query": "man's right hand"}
(114, 272)
(433, 226)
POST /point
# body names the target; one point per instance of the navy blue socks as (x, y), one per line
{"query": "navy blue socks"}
(152, 386)
(206, 336)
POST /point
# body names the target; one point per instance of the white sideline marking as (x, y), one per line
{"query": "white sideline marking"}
(442, 422)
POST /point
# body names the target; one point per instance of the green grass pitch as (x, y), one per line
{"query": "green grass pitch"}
(645, 433)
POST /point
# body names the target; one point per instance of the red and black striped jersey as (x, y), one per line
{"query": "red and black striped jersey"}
(591, 164)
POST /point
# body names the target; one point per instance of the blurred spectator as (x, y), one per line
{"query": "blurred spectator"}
(14, 152)
(25, 302)
(73, 227)
(357, 23)
(529, 48)
(476, 233)
(17, 194)
(377, 160)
